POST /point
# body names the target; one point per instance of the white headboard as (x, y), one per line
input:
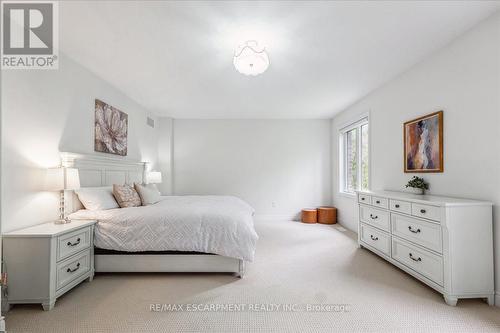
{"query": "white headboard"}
(98, 170)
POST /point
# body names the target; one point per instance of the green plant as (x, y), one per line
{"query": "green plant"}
(417, 182)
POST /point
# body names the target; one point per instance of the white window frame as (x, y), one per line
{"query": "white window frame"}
(358, 123)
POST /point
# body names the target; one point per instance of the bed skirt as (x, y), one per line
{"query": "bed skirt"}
(166, 261)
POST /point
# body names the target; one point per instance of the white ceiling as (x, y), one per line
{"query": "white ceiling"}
(175, 58)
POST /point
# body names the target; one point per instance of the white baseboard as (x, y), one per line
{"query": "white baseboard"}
(282, 217)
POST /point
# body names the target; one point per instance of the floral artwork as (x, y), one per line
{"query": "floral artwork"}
(111, 127)
(423, 144)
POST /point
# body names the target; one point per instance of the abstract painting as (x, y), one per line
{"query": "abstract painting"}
(111, 127)
(423, 144)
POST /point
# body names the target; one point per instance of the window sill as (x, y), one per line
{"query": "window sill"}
(347, 195)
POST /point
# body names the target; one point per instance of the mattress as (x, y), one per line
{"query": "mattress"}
(220, 225)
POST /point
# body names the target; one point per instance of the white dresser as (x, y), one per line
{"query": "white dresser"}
(45, 261)
(446, 243)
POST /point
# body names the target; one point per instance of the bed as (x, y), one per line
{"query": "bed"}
(176, 234)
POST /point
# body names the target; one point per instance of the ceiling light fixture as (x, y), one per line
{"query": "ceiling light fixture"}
(251, 59)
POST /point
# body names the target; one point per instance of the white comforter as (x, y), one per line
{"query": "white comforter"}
(211, 224)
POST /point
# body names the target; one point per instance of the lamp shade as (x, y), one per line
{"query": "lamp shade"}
(72, 181)
(59, 179)
(154, 177)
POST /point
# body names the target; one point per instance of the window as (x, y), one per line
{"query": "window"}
(354, 157)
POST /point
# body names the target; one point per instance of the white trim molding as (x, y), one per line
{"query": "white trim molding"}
(355, 122)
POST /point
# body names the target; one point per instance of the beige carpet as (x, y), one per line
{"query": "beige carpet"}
(296, 265)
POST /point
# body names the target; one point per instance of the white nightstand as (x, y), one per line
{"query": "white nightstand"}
(45, 261)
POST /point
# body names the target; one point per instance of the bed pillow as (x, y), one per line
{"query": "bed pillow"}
(97, 198)
(126, 196)
(148, 192)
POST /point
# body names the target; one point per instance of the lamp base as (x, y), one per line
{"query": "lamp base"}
(62, 221)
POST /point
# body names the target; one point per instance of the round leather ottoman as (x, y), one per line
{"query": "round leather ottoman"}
(327, 215)
(309, 215)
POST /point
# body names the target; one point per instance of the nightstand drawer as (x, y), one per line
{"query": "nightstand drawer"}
(73, 242)
(72, 268)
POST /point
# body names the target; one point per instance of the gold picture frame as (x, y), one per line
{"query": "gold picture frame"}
(423, 144)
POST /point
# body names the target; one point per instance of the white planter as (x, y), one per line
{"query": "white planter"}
(414, 190)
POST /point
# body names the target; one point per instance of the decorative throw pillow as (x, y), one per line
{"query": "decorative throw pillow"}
(126, 196)
(148, 192)
(97, 198)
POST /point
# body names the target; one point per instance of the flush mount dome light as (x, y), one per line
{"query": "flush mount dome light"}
(251, 59)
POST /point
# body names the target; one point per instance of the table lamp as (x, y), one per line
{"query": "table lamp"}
(62, 179)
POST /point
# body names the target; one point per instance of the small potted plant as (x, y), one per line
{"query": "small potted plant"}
(417, 185)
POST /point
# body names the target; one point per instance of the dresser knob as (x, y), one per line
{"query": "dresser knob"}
(362, 199)
(397, 206)
(423, 211)
(373, 238)
(378, 201)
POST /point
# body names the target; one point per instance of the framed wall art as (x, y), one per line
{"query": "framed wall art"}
(111, 129)
(423, 144)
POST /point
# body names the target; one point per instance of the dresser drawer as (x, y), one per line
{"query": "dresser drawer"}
(73, 242)
(400, 206)
(365, 199)
(421, 261)
(380, 202)
(375, 217)
(376, 239)
(426, 211)
(420, 232)
(72, 268)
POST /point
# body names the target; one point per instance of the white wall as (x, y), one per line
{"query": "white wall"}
(262, 161)
(165, 154)
(47, 111)
(463, 80)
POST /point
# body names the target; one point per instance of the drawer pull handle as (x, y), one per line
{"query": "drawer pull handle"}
(423, 211)
(378, 201)
(75, 243)
(397, 206)
(69, 270)
(415, 259)
(413, 230)
(373, 217)
(374, 238)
